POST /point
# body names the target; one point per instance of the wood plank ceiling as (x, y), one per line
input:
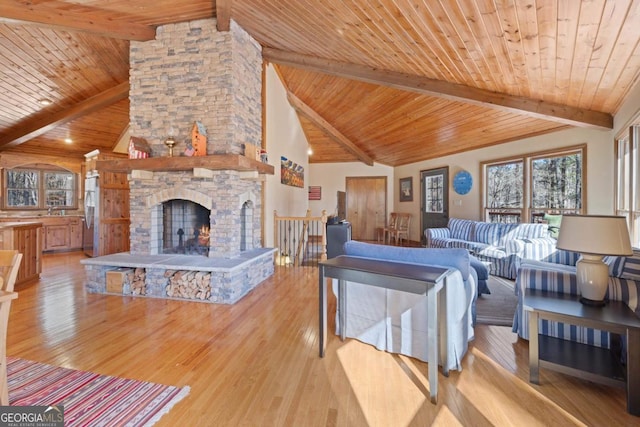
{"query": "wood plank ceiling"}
(387, 81)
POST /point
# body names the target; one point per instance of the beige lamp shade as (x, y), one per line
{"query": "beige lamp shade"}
(595, 234)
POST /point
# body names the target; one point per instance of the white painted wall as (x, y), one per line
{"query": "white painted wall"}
(627, 111)
(600, 167)
(332, 177)
(599, 172)
(284, 137)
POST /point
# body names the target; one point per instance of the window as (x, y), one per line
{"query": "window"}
(504, 191)
(39, 189)
(434, 194)
(59, 189)
(22, 188)
(627, 154)
(556, 184)
(523, 189)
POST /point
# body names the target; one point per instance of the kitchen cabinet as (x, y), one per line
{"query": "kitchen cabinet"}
(26, 238)
(76, 228)
(60, 233)
(107, 208)
(56, 237)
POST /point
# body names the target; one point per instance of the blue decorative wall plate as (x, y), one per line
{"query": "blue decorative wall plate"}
(462, 182)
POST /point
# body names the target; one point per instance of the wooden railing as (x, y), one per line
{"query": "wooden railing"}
(300, 241)
(504, 216)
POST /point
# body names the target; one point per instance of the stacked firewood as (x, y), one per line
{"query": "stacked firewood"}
(136, 280)
(189, 284)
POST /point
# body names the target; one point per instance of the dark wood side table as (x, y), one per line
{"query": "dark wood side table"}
(585, 361)
(417, 279)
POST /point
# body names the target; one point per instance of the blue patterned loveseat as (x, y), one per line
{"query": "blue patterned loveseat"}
(560, 276)
(395, 321)
(504, 245)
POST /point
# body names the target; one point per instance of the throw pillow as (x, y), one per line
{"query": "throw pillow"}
(553, 222)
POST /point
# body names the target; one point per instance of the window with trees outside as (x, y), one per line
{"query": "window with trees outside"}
(525, 188)
(39, 189)
(627, 189)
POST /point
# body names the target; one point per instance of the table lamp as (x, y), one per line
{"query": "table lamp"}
(594, 236)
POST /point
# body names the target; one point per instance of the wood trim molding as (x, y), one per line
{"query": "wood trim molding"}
(55, 14)
(40, 126)
(515, 104)
(327, 128)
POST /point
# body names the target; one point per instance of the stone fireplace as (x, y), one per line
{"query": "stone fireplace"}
(194, 219)
(190, 73)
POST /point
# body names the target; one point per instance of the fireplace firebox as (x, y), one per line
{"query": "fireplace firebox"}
(185, 228)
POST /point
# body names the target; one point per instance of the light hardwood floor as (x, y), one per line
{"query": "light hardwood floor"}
(256, 362)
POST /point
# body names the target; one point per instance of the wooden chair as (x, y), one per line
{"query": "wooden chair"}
(9, 266)
(403, 222)
(389, 228)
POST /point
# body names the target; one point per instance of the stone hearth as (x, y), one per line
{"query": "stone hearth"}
(231, 278)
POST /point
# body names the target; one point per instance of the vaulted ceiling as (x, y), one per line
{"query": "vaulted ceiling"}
(388, 81)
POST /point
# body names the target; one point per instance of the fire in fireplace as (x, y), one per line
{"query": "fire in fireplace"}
(185, 228)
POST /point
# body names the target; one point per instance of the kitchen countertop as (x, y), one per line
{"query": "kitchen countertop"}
(21, 217)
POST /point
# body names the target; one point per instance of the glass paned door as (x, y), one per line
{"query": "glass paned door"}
(434, 198)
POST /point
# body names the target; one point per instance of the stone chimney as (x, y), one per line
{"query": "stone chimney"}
(191, 72)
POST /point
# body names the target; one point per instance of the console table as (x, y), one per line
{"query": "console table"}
(584, 361)
(417, 279)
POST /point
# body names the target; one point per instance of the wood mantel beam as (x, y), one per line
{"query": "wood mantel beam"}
(515, 104)
(223, 15)
(56, 14)
(197, 164)
(40, 126)
(327, 128)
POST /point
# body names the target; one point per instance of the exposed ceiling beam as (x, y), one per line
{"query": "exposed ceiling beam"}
(48, 15)
(38, 127)
(223, 15)
(532, 108)
(327, 128)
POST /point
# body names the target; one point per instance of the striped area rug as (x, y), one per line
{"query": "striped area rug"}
(90, 399)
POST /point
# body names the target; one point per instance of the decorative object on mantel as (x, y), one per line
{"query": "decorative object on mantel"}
(199, 139)
(139, 148)
(594, 236)
(189, 151)
(170, 142)
(251, 151)
(291, 173)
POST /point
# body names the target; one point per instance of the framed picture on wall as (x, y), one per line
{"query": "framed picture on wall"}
(315, 192)
(406, 189)
(291, 173)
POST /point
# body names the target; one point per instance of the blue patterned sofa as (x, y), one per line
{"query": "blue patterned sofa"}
(504, 245)
(395, 321)
(560, 276)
